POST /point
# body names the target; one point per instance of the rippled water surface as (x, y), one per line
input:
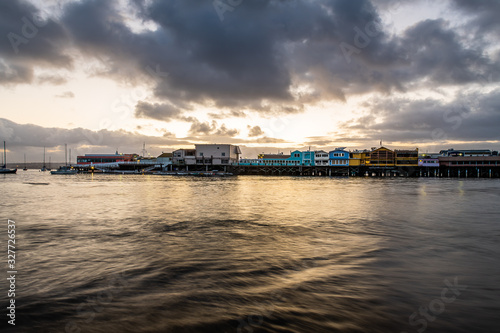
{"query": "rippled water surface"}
(108, 253)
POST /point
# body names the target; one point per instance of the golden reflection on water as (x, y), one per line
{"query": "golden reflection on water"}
(343, 252)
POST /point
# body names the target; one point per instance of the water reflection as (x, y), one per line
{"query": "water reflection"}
(252, 253)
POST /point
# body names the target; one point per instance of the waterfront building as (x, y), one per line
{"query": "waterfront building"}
(295, 157)
(308, 157)
(217, 154)
(184, 157)
(381, 157)
(105, 158)
(274, 159)
(469, 161)
(429, 160)
(250, 161)
(320, 158)
(467, 152)
(339, 157)
(359, 157)
(406, 158)
(165, 158)
(470, 166)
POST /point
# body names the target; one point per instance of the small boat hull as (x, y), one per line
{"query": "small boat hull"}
(64, 171)
(5, 170)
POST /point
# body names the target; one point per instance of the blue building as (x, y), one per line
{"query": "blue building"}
(297, 157)
(308, 158)
(339, 157)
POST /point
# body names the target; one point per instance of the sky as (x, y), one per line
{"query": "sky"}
(267, 75)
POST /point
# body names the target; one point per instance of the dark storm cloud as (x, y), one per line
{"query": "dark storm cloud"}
(158, 111)
(439, 54)
(261, 46)
(472, 116)
(239, 59)
(484, 14)
(259, 55)
(258, 52)
(248, 58)
(28, 38)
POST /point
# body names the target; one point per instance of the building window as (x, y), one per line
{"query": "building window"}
(223, 154)
(201, 154)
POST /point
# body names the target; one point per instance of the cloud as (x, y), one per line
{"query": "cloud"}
(66, 94)
(441, 56)
(268, 56)
(227, 114)
(22, 137)
(29, 39)
(471, 116)
(158, 111)
(260, 57)
(55, 80)
(483, 15)
(255, 131)
(211, 129)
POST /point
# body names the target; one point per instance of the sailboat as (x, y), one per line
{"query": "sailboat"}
(44, 168)
(65, 170)
(25, 167)
(4, 169)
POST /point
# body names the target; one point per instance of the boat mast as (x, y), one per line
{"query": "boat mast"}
(66, 154)
(4, 156)
(43, 157)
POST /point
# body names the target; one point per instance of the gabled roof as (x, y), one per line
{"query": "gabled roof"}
(382, 148)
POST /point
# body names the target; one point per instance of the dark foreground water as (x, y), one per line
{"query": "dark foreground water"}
(109, 253)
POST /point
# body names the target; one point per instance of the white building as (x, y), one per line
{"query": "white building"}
(184, 157)
(320, 158)
(217, 154)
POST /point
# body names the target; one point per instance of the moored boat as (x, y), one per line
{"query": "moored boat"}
(44, 168)
(64, 170)
(25, 167)
(3, 168)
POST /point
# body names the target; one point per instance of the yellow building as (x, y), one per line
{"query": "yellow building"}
(359, 158)
(381, 157)
(407, 158)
